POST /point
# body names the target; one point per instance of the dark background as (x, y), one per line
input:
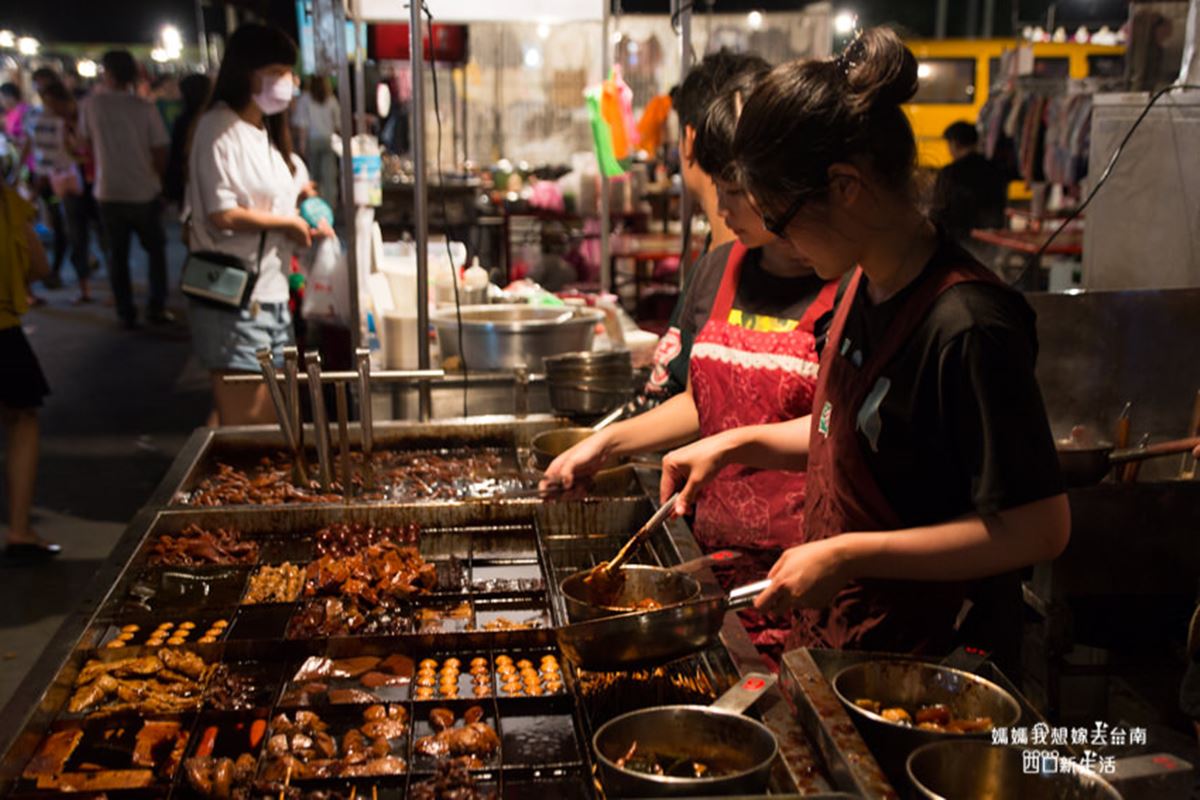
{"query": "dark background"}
(139, 21)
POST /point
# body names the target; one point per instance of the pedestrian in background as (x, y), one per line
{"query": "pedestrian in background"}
(22, 384)
(193, 90)
(317, 118)
(244, 186)
(129, 141)
(56, 154)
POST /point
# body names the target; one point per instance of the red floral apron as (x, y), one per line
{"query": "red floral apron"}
(890, 616)
(746, 377)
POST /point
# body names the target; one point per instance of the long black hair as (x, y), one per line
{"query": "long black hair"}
(252, 47)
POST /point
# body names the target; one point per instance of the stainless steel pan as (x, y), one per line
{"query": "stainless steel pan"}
(977, 770)
(718, 736)
(649, 638)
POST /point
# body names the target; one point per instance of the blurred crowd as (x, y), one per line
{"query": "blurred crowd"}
(89, 165)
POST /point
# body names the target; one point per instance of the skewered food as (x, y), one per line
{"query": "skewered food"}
(281, 584)
(195, 546)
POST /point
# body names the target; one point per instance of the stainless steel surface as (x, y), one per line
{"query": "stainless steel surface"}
(912, 685)
(362, 358)
(588, 383)
(498, 337)
(688, 734)
(640, 582)
(650, 638)
(312, 364)
(343, 424)
(383, 376)
(282, 413)
(337, 12)
(975, 770)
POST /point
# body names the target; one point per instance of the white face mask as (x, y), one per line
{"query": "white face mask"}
(275, 94)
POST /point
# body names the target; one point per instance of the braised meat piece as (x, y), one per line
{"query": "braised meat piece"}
(473, 738)
(170, 683)
(195, 546)
(452, 781)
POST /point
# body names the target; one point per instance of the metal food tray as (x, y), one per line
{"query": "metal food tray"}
(244, 445)
(569, 535)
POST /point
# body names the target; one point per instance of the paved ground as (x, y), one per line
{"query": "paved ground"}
(123, 404)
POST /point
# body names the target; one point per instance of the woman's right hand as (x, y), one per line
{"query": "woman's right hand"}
(581, 461)
(298, 231)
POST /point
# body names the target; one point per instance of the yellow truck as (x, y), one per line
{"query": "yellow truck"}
(956, 74)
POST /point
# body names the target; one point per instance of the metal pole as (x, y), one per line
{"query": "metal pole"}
(606, 276)
(972, 18)
(465, 127)
(989, 14)
(939, 27)
(360, 91)
(420, 198)
(201, 39)
(684, 10)
(453, 123)
(348, 221)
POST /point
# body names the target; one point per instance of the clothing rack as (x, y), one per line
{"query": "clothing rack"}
(1039, 129)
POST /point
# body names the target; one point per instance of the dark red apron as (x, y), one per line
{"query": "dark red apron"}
(746, 377)
(891, 616)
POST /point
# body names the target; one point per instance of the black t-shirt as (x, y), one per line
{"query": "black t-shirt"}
(761, 296)
(962, 427)
(969, 193)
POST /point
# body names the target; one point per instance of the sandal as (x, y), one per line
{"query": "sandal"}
(31, 551)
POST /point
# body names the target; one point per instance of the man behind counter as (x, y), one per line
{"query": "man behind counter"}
(703, 84)
(970, 192)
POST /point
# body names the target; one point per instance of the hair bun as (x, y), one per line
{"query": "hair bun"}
(880, 70)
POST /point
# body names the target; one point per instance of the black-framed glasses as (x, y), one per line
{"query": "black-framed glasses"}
(777, 225)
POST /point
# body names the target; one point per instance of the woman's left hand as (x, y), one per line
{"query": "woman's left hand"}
(806, 576)
(323, 230)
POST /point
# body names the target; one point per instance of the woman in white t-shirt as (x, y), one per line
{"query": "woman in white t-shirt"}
(316, 119)
(244, 184)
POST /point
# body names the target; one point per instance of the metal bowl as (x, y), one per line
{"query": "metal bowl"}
(1083, 464)
(977, 770)
(641, 582)
(501, 337)
(576, 399)
(549, 445)
(913, 684)
(697, 732)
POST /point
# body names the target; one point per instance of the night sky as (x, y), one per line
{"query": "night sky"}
(138, 21)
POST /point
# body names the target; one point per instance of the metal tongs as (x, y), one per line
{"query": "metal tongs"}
(608, 572)
(288, 418)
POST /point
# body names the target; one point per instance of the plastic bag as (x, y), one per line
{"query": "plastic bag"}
(327, 289)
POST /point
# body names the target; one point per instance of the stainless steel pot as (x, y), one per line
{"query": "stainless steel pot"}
(977, 770)
(717, 735)
(913, 684)
(501, 337)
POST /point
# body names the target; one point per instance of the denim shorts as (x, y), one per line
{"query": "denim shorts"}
(229, 340)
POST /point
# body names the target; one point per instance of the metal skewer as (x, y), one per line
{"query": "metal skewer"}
(267, 365)
(312, 365)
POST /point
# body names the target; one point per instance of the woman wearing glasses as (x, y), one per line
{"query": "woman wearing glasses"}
(930, 462)
(754, 308)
